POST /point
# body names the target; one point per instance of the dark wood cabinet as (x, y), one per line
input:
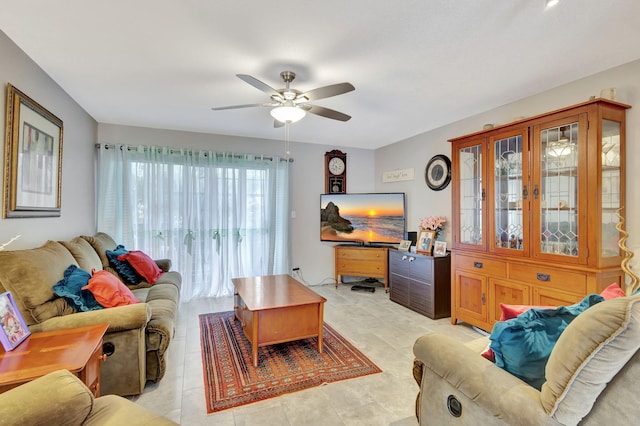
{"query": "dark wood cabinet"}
(421, 283)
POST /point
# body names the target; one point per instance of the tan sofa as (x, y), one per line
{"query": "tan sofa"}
(60, 398)
(591, 376)
(140, 333)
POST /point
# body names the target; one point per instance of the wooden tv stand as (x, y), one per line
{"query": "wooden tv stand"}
(362, 261)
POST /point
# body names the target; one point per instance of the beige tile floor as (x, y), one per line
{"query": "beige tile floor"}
(382, 329)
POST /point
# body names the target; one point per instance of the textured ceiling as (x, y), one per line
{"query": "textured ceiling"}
(416, 65)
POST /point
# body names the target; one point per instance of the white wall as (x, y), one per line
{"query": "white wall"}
(364, 170)
(78, 212)
(416, 151)
(314, 258)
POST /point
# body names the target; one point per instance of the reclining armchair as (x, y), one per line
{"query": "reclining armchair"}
(591, 376)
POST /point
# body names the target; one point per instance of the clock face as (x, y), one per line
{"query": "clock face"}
(438, 172)
(336, 166)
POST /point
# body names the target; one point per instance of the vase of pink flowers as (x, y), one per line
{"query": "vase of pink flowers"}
(433, 223)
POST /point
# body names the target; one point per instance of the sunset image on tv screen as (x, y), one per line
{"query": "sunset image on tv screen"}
(378, 218)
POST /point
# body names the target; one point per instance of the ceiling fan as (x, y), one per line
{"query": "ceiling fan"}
(290, 105)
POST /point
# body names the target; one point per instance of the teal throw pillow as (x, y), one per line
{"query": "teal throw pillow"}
(70, 287)
(522, 345)
(126, 271)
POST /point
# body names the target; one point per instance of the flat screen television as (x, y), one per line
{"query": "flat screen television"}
(364, 218)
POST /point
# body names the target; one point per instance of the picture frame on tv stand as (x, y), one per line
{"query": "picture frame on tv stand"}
(404, 245)
(440, 248)
(425, 241)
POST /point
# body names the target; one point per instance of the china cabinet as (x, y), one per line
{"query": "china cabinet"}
(535, 210)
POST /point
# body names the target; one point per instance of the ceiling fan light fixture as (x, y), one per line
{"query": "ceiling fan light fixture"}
(288, 114)
(550, 3)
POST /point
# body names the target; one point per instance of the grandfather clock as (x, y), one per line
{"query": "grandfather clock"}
(335, 172)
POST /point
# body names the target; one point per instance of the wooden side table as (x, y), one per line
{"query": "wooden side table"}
(78, 350)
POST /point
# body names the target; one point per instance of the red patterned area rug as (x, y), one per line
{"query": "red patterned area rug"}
(230, 379)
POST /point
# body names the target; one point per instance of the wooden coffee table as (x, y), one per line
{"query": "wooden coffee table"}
(276, 309)
(78, 350)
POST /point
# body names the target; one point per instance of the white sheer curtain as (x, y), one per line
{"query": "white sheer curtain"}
(217, 216)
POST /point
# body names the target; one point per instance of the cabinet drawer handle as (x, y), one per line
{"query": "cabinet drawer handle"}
(543, 277)
(477, 265)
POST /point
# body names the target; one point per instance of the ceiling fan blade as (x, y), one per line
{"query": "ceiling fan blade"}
(258, 84)
(326, 112)
(242, 106)
(326, 92)
(277, 124)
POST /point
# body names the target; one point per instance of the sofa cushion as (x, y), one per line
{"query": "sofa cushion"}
(101, 242)
(588, 355)
(70, 287)
(109, 291)
(522, 345)
(83, 253)
(125, 270)
(143, 265)
(30, 276)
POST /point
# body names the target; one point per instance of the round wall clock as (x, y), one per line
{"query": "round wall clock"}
(437, 174)
(336, 166)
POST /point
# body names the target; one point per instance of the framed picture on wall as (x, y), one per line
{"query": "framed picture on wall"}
(14, 330)
(425, 241)
(33, 158)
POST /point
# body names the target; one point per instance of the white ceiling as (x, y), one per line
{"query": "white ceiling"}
(416, 64)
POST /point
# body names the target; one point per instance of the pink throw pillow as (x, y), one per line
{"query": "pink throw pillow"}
(612, 292)
(488, 354)
(108, 290)
(143, 264)
(512, 311)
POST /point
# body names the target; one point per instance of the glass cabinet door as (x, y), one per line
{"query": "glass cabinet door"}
(509, 165)
(556, 191)
(611, 187)
(471, 195)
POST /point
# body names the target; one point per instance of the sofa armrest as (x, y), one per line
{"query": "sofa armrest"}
(164, 264)
(499, 394)
(120, 318)
(59, 397)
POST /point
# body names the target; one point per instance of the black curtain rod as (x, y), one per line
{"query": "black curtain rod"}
(176, 150)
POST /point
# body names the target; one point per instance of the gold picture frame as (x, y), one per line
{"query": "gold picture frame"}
(404, 245)
(32, 159)
(425, 241)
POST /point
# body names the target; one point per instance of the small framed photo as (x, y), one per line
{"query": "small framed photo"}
(440, 248)
(14, 330)
(425, 241)
(404, 245)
